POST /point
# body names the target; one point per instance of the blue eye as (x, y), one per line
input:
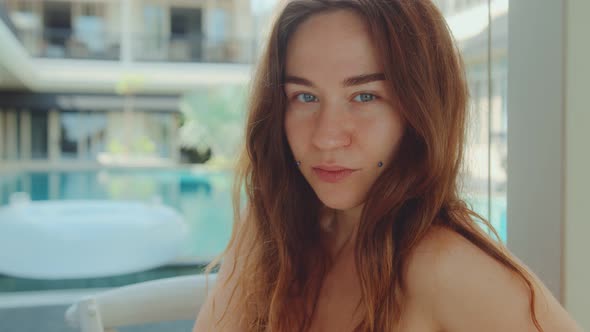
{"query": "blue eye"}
(306, 98)
(364, 97)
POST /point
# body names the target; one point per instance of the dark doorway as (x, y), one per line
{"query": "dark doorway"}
(186, 32)
(57, 23)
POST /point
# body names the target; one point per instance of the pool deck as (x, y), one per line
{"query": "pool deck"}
(17, 166)
(51, 319)
(28, 305)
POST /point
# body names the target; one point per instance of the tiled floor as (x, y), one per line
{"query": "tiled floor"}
(51, 319)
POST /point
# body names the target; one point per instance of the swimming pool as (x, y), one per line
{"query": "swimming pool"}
(202, 196)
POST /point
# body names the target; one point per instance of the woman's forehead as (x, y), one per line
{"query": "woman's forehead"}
(335, 43)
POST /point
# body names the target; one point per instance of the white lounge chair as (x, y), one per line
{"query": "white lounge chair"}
(170, 299)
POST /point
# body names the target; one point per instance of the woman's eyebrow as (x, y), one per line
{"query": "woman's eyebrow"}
(298, 80)
(351, 81)
(363, 79)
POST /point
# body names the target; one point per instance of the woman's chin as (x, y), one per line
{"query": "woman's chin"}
(340, 203)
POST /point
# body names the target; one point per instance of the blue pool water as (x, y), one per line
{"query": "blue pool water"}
(497, 215)
(203, 197)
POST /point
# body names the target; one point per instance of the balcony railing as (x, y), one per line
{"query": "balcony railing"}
(194, 48)
(69, 44)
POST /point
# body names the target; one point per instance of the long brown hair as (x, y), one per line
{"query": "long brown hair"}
(285, 264)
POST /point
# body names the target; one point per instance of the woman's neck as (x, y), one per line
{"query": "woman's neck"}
(341, 227)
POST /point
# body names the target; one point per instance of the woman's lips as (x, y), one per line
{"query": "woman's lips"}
(332, 174)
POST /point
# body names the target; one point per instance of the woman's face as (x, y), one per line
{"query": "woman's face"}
(340, 122)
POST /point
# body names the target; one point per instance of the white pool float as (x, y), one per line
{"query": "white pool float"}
(87, 238)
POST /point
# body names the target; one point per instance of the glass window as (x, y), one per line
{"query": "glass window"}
(152, 42)
(89, 32)
(96, 134)
(158, 126)
(185, 34)
(57, 20)
(83, 134)
(3, 135)
(39, 148)
(485, 55)
(70, 134)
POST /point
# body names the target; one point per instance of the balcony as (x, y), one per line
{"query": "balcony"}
(193, 48)
(69, 44)
(56, 60)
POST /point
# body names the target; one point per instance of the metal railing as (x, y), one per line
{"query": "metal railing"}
(68, 44)
(194, 48)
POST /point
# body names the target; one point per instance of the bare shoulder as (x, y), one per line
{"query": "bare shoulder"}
(465, 289)
(443, 252)
(221, 311)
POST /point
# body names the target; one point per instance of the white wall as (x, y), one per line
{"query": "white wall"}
(548, 146)
(577, 165)
(535, 136)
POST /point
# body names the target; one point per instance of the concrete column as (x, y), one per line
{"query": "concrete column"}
(54, 136)
(243, 30)
(2, 135)
(94, 144)
(11, 135)
(82, 149)
(206, 18)
(126, 31)
(25, 135)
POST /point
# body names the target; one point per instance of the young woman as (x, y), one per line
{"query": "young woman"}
(353, 220)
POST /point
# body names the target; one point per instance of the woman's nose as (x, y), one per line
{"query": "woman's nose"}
(331, 128)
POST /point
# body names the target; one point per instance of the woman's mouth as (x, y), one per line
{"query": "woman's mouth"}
(332, 174)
